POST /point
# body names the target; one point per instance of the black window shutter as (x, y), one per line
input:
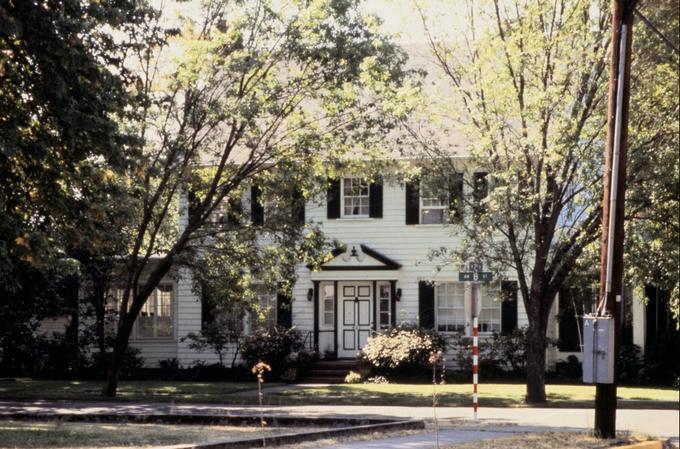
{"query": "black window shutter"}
(413, 202)
(508, 306)
(234, 211)
(480, 190)
(207, 309)
(375, 205)
(333, 199)
(193, 203)
(298, 206)
(426, 304)
(567, 324)
(256, 206)
(456, 204)
(284, 312)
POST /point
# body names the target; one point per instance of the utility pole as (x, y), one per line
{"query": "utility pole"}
(611, 254)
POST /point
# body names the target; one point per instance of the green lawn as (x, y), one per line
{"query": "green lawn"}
(503, 395)
(490, 395)
(162, 391)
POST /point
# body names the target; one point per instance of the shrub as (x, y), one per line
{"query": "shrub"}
(570, 368)
(353, 378)
(280, 348)
(402, 350)
(499, 355)
(377, 380)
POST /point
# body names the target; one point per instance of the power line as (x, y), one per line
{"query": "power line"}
(656, 31)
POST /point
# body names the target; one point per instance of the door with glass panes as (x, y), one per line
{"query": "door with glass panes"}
(355, 317)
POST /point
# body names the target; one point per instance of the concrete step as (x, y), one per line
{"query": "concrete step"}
(322, 380)
(318, 372)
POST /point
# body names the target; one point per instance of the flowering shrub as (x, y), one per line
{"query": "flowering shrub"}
(377, 380)
(353, 378)
(402, 348)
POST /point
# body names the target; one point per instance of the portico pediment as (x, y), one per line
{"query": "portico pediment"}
(359, 257)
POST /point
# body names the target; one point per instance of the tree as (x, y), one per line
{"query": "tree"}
(63, 91)
(652, 197)
(246, 94)
(528, 86)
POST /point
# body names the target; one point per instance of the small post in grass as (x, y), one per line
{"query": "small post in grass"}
(437, 358)
(259, 370)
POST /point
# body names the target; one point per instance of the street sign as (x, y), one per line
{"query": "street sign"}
(476, 266)
(475, 276)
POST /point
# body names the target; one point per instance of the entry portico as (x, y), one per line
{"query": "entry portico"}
(354, 295)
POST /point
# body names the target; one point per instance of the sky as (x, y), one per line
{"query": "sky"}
(399, 17)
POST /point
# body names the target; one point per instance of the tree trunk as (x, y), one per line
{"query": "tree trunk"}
(535, 364)
(113, 371)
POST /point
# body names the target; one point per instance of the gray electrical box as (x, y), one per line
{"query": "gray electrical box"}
(598, 349)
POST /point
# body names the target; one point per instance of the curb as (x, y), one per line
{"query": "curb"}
(643, 445)
(351, 426)
(290, 438)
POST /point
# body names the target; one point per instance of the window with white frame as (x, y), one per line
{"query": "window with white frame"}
(355, 197)
(450, 305)
(384, 300)
(156, 317)
(328, 294)
(266, 307)
(434, 205)
(489, 319)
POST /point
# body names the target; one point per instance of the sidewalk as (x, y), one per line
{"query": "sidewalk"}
(660, 423)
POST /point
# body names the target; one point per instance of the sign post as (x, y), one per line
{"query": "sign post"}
(474, 277)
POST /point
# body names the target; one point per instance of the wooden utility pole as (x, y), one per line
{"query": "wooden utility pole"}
(611, 255)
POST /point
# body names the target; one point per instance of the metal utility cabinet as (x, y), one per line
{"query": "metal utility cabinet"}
(598, 349)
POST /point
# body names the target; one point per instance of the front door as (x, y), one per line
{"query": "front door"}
(355, 317)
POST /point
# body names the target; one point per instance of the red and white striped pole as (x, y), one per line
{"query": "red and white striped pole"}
(475, 363)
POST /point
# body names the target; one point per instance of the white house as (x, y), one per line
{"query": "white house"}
(379, 278)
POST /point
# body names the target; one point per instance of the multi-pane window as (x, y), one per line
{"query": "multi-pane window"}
(489, 319)
(328, 305)
(266, 304)
(155, 320)
(452, 315)
(156, 317)
(434, 205)
(355, 197)
(450, 303)
(384, 306)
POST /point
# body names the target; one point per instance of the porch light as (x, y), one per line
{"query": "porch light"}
(310, 294)
(398, 295)
(353, 253)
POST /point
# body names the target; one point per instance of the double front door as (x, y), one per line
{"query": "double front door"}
(355, 317)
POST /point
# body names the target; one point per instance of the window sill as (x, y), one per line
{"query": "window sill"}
(355, 219)
(159, 339)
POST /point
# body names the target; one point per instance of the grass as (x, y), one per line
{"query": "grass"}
(142, 390)
(14, 434)
(547, 441)
(490, 395)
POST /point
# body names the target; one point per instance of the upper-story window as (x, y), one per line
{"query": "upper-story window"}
(434, 205)
(435, 201)
(355, 197)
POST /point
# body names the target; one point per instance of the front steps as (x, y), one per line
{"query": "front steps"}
(328, 371)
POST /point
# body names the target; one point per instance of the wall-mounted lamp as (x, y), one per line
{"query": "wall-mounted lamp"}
(310, 294)
(353, 253)
(398, 295)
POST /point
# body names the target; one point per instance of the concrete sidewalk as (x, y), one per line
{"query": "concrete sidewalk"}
(659, 423)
